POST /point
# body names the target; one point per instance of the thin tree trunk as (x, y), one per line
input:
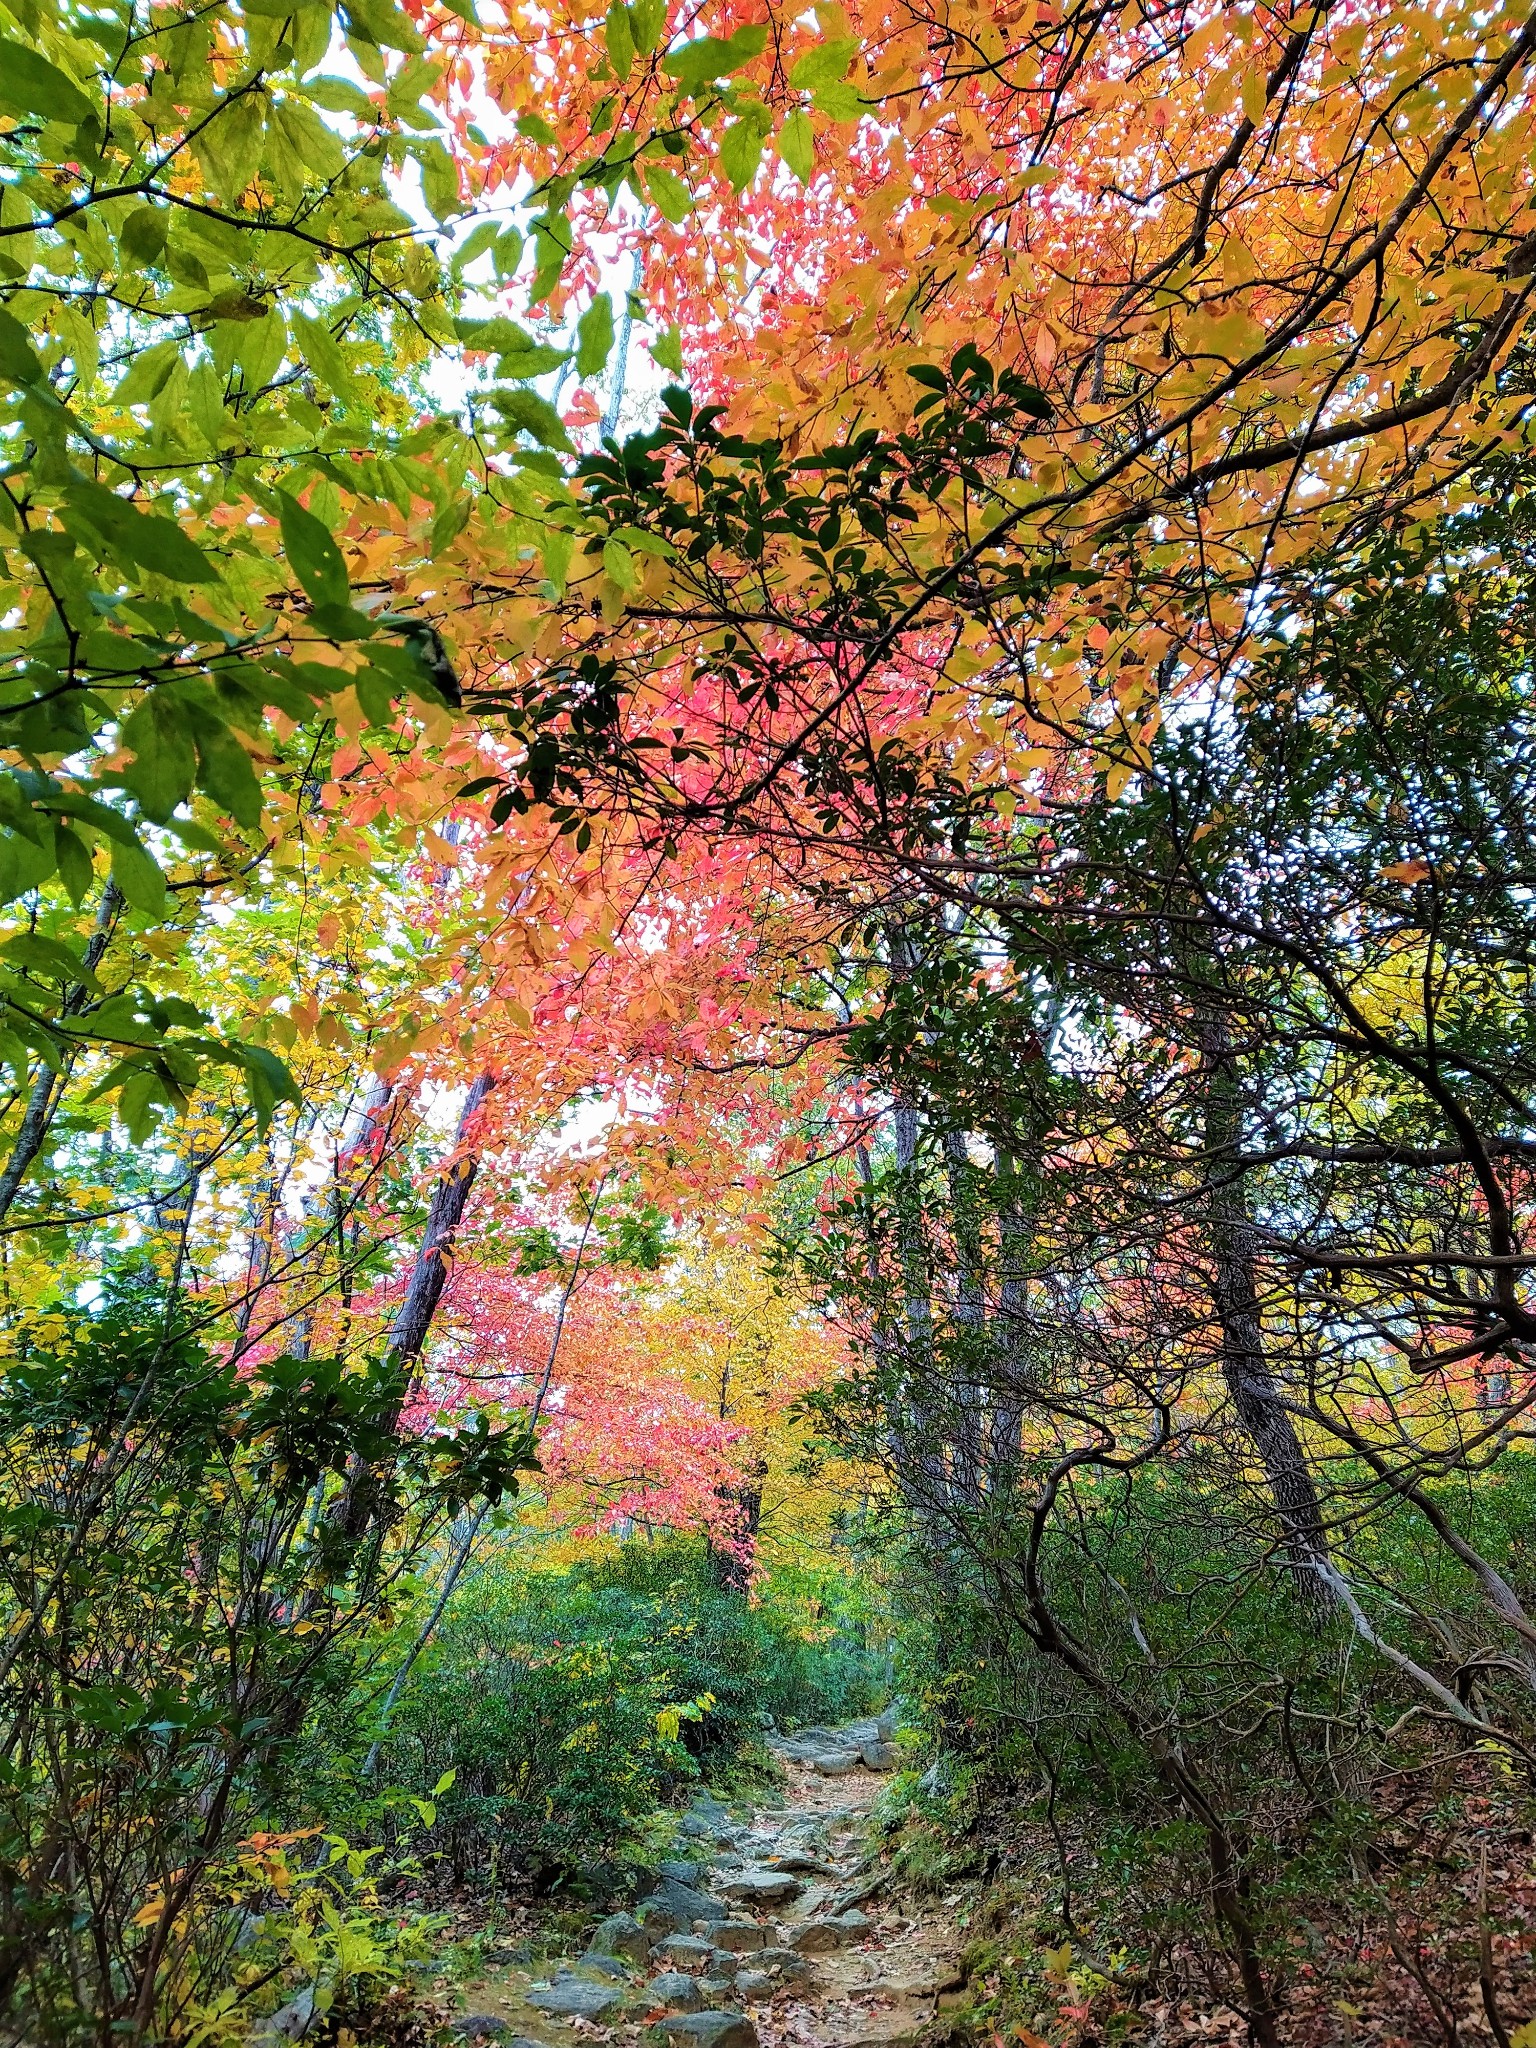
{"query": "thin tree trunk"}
(48, 1088)
(968, 1460)
(450, 1198)
(423, 1291)
(1005, 1424)
(456, 1568)
(1244, 1361)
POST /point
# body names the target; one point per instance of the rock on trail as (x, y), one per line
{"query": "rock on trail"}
(770, 1934)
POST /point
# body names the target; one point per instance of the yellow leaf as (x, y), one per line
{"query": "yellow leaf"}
(1058, 1963)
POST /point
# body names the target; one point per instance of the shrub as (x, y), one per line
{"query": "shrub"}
(570, 1703)
(175, 1597)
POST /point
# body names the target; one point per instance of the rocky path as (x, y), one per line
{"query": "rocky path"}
(770, 1930)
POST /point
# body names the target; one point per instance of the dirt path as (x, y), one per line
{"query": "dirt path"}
(770, 1930)
(881, 1989)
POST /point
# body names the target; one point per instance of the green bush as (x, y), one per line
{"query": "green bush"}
(1283, 1717)
(571, 1703)
(179, 1591)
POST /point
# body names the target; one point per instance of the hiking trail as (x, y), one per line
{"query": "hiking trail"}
(772, 1931)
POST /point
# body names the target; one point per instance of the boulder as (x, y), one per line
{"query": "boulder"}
(713, 1987)
(880, 1756)
(291, 2022)
(887, 1723)
(682, 1903)
(675, 1991)
(621, 1935)
(577, 1998)
(817, 1937)
(604, 1965)
(836, 1763)
(754, 1984)
(479, 2026)
(741, 1937)
(762, 1887)
(679, 1872)
(784, 1962)
(804, 1862)
(711, 2030)
(686, 1951)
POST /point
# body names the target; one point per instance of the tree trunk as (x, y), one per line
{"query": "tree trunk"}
(450, 1198)
(1244, 1362)
(48, 1088)
(423, 1291)
(1005, 1423)
(966, 1385)
(731, 1564)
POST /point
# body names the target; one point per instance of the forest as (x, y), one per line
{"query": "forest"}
(767, 1023)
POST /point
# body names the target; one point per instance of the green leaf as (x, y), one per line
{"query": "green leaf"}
(555, 553)
(670, 196)
(229, 147)
(160, 773)
(796, 145)
(520, 355)
(474, 245)
(619, 563)
(444, 1784)
(141, 882)
(741, 149)
(141, 238)
(827, 64)
(341, 96)
(73, 857)
(224, 770)
(520, 365)
(147, 371)
(29, 84)
(18, 361)
(262, 345)
(267, 1080)
(301, 130)
(380, 23)
(534, 128)
(144, 540)
(136, 1103)
(594, 336)
(839, 103)
(551, 246)
(24, 865)
(509, 252)
(492, 336)
(711, 57)
(439, 179)
(667, 350)
(619, 37)
(325, 356)
(312, 554)
(647, 19)
(449, 524)
(533, 415)
(49, 960)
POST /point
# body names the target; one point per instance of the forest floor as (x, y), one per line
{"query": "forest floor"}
(808, 1953)
(780, 1921)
